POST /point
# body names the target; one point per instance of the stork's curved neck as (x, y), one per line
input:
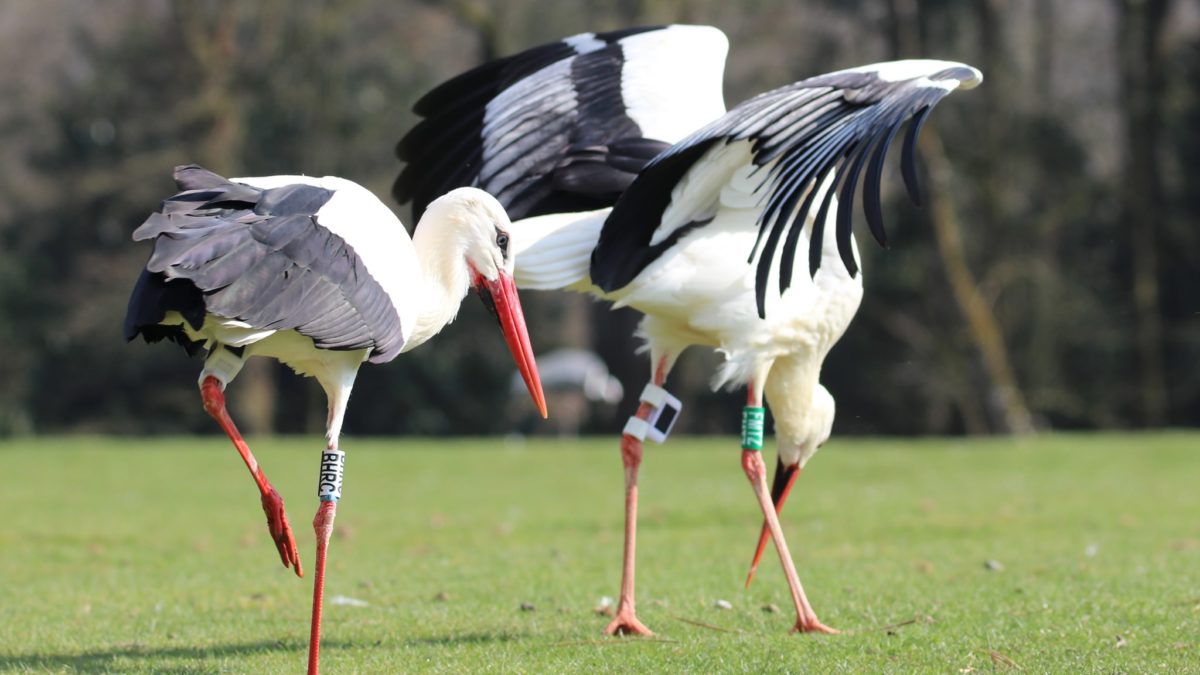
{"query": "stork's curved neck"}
(803, 408)
(445, 277)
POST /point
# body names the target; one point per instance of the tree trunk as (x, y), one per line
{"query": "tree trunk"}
(1003, 399)
(1004, 395)
(1141, 191)
(1045, 43)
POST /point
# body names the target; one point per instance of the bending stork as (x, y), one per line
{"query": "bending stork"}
(712, 212)
(318, 274)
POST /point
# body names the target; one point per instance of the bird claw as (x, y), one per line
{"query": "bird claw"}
(814, 625)
(626, 623)
(281, 531)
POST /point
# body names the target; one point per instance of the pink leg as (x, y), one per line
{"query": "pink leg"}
(272, 503)
(785, 478)
(323, 526)
(756, 471)
(329, 491)
(626, 622)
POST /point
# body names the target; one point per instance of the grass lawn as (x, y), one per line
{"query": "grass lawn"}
(124, 555)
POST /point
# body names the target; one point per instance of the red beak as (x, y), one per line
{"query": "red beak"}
(501, 298)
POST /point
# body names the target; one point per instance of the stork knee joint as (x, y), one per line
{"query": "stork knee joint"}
(664, 411)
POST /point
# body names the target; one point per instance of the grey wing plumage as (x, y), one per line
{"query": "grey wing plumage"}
(259, 256)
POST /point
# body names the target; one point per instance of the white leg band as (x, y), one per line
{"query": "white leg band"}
(223, 365)
(664, 411)
(329, 481)
(636, 427)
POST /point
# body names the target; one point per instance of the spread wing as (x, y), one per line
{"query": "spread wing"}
(792, 141)
(565, 126)
(262, 257)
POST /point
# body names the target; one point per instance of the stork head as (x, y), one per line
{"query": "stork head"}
(470, 221)
(803, 417)
(483, 229)
(481, 225)
(816, 427)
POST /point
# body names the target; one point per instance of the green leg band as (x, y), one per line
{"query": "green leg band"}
(753, 420)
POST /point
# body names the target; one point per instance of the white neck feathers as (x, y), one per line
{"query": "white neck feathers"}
(441, 246)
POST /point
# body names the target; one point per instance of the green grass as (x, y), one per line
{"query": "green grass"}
(151, 556)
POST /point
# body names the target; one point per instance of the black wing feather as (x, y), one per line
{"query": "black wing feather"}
(651, 190)
(788, 258)
(908, 162)
(851, 168)
(842, 122)
(563, 147)
(872, 190)
(818, 232)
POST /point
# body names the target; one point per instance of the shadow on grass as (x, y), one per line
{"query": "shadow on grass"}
(464, 639)
(108, 660)
(155, 659)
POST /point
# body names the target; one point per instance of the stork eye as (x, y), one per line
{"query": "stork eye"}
(502, 242)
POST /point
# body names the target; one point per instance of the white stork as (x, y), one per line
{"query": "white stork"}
(711, 212)
(318, 274)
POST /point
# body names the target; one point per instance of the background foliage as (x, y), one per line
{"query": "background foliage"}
(1051, 281)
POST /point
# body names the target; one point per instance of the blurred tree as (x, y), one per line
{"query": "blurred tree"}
(1139, 44)
(1180, 263)
(1002, 408)
(1071, 173)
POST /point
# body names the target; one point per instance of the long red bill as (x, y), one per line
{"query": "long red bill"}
(507, 306)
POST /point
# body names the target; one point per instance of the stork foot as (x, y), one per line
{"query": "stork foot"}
(281, 531)
(626, 623)
(813, 625)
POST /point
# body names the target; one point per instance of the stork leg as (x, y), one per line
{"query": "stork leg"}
(756, 471)
(625, 621)
(323, 526)
(781, 486)
(329, 491)
(212, 391)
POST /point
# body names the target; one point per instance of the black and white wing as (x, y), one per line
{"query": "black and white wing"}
(262, 256)
(565, 126)
(796, 138)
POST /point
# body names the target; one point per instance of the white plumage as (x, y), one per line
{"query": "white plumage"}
(676, 64)
(318, 274)
(735, 234)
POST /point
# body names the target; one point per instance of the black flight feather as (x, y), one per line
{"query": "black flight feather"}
(908, 163)
(519, 152)
(842, 122)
